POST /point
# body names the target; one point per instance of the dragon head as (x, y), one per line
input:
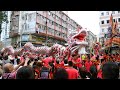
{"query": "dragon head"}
(80, 36)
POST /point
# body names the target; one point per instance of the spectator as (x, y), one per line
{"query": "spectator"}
(10, 71)
(25, 72)
(6, 60)
(88, 64)
(45, 73)
(83, 73)
(65, 63)
(37, 67)
(76, 61)
(72, 72)
(99, 69)
(93, 72)
(110, 70)
(60, 73)
(1, 73)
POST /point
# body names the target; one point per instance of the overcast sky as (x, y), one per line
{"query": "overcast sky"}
(87, 19)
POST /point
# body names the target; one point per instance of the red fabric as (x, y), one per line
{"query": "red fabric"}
(53, 59)
(51, 75)
(69, 59)
(99, 74)
(57, 65)
(21, 59)
(62, 63)
(72, 73)
(65, 67)
(46, 61)
(88, 65)
(78, 61)
(38, 72)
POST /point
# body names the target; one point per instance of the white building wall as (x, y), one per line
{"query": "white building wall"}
(5, 30)
(25, 23)
(106, 17)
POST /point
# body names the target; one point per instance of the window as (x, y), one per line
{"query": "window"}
(59, 33)
(59, 26)
(29, 17)
(25, 16)
(39, 26)
(49, 22)
(66, 18)
(102, 30)
(102, 14)
(45, 28)
(107, 13)
(107, 21)
(52, 23)
(54, 15)
(113, 12)
(28, 26)
(22, 26)
(25, 26)
(118, 19)
(49, 13)
(56, 24)
(102, 22)
(114, 20)
(59, 12)
(43, 17)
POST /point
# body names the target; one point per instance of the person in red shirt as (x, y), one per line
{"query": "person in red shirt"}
(99, 75)
(46, 61)
(76, 61)
(72, 72)
(66, 64)
(57, 64)
(88, 63)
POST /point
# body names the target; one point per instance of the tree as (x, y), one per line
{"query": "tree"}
(3, 18)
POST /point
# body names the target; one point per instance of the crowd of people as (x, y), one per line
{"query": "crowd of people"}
(87, 66)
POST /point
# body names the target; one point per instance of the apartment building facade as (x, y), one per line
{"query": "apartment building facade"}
(104, 25)
(40, 27)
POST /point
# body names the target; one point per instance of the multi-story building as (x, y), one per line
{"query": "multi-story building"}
(91, 39)
(5, 30)
(104, 25)
(40, 27)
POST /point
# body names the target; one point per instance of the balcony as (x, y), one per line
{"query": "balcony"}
(13, 33)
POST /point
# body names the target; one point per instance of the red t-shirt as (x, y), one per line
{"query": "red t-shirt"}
(78, 61)
(62, 63)
(69, 59)
(72, 73)
(46, 61)
(99, 75)
(88, 65)
(57, 65)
